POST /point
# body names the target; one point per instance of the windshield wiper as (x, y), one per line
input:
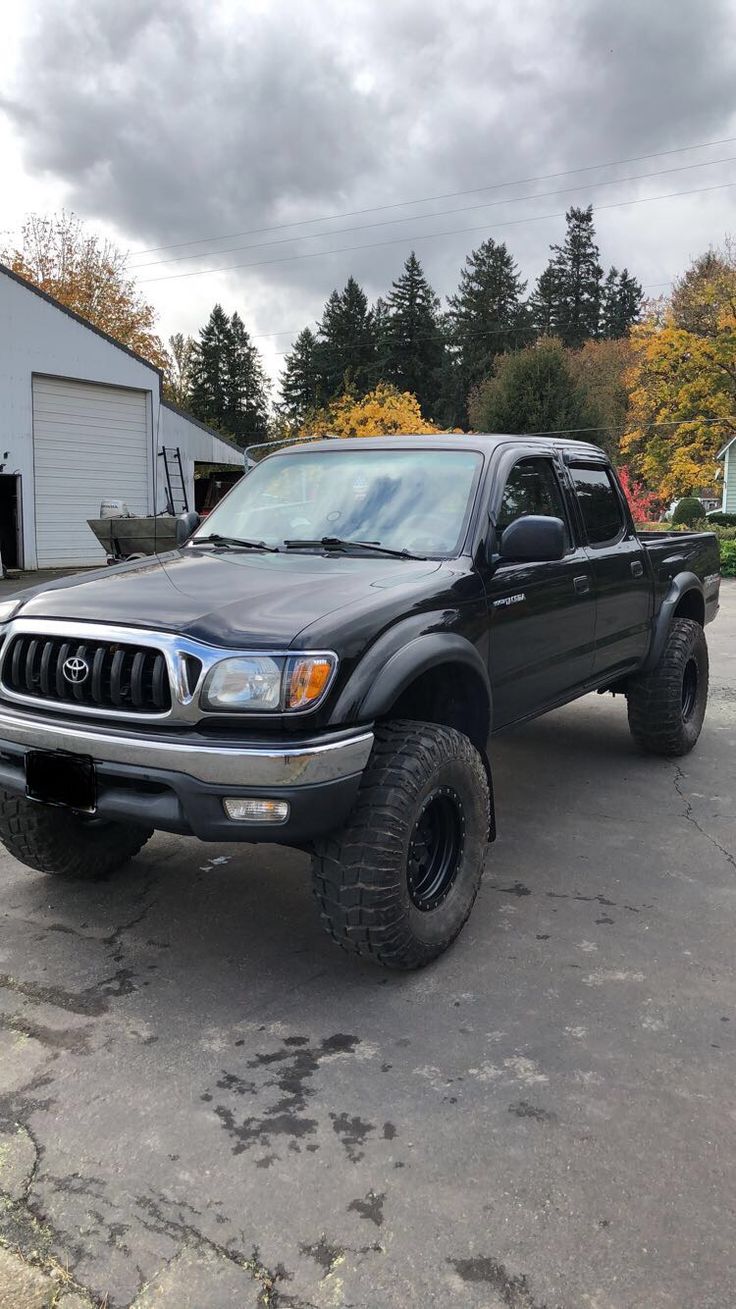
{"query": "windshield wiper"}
(233, 541)
(342, 544)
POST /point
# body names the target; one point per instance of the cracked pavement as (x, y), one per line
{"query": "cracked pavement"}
(205, 1105)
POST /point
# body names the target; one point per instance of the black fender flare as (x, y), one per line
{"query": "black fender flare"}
(679, 587)
(386, 671)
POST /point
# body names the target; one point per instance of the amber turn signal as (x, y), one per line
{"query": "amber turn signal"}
(308, 679)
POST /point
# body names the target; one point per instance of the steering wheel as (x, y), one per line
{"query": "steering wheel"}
(441, 538)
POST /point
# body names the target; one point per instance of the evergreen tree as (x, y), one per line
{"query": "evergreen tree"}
(246, 414)
(347, 346)
(300, 383)
(532, 390)
(228, 386)
(621, 303)
(207, 396)
(485, 315)
(543, 304)
(411, 344)
(578, 275)
(380, 326)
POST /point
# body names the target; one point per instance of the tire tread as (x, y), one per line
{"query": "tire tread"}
(655, 697)
(354, 870)
(54, 842)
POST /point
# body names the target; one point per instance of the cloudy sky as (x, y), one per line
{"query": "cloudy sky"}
(292, 142)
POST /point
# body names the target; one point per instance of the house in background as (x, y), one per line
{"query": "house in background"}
(728, 455)
(82, 419)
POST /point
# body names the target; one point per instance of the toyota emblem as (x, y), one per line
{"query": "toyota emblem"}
(75, 670)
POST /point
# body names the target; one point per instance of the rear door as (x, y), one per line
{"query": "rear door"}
(541, 615)
(621, 576)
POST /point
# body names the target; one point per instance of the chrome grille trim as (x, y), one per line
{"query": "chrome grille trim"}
(118, 674)
(186, 661)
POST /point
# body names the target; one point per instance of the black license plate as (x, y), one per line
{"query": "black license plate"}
(54, 777)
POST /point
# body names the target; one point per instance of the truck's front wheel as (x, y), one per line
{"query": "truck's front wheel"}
(667, 705)
(65, 844)
(399, 881)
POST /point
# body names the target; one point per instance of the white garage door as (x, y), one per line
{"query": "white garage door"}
(90, 444)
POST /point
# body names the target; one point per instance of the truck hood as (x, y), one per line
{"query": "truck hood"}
(228, 598)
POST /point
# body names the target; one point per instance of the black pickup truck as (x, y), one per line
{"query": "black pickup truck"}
(323, 663)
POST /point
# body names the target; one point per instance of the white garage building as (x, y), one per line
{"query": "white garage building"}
(82, 419)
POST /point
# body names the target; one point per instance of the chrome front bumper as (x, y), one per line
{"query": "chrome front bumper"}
(219, 764)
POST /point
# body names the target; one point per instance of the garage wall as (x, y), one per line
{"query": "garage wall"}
(198, 445)
(39, 339)
(90, 443)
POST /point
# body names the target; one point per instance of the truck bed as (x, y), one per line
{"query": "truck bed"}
(670, 553)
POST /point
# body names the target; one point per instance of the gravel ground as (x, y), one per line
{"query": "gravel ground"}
(205, 1105)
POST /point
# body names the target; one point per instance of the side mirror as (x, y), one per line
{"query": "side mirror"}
(185, 525)
(533, 539)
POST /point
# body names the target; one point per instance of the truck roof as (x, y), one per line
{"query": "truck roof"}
(480, 441)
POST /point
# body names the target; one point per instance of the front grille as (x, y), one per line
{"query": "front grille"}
(113, 675)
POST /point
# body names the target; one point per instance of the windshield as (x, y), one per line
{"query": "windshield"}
(413, 500)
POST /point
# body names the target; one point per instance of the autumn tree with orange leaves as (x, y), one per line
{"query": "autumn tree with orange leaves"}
(384, 411)
(682, 381)
(88, 275)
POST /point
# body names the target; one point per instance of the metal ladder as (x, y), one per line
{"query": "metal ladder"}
(176, 491)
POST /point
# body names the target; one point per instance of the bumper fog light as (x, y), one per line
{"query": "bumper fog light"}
(255, 811)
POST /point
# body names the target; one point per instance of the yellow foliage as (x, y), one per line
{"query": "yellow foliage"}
(383, 412)
(600, 367)
(683, 403)
(89, 277)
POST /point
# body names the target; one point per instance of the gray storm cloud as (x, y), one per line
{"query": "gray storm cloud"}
(188, 119)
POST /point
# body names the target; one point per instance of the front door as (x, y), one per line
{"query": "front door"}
(542, 615)
(621, 575)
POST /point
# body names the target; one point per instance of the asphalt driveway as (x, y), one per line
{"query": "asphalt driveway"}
(205, 1105)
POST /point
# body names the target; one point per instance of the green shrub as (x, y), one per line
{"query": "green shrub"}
(689, 510)
(723, 520)
(728, 558)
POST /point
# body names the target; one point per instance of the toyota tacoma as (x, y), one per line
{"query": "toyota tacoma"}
(324, 661)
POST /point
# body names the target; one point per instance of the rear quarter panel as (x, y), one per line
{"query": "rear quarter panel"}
(672, 553)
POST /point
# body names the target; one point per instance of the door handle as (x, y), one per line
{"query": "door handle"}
(581, 584)
(637, 568)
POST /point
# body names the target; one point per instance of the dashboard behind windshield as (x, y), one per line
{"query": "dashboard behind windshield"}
(413, 500)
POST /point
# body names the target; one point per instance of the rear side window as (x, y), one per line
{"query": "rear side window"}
(531, 488)
(600, 505)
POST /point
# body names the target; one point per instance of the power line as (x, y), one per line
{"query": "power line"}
(440, 213)
(331, 352)
(612, 427)
(576, 431)
(429, 236)
(446, 195)
(294, 331)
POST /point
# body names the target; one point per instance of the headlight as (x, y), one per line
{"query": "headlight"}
(268, 683)
(7, 609)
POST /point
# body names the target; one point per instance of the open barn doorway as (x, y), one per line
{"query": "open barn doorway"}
(10, 547)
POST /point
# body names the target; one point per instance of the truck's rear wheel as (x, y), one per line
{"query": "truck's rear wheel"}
(667, 705)
(399, 881)
(65, 844)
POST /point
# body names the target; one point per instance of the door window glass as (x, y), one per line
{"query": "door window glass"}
(600, 505)
(532, 488)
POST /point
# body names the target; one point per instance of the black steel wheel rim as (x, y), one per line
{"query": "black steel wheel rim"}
(689, 688)
(435, 848)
